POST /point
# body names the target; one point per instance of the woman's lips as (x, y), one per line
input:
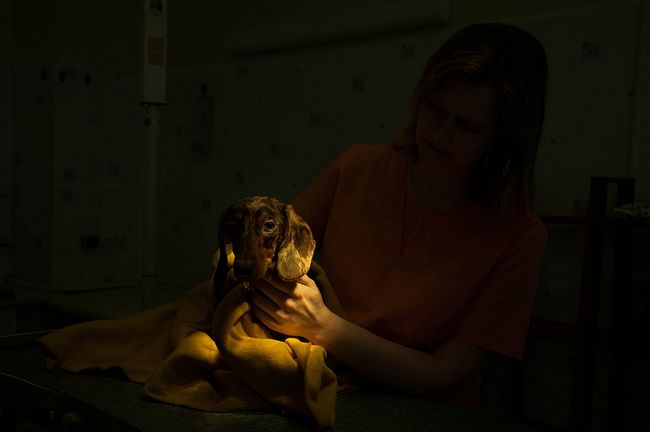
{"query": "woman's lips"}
(439, 150)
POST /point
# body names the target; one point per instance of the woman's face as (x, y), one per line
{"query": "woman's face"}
(455, 125)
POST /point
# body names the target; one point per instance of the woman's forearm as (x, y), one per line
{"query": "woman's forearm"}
(402, 368)
(297, 309)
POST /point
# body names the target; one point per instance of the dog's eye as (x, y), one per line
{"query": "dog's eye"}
(269, 225)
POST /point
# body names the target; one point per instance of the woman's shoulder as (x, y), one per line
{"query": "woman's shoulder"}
(533, 230)
(528, 225)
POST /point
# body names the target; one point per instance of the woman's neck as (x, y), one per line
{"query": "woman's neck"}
(439, 190)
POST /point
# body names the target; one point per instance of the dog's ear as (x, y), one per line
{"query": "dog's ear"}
(223, 264)
(297, 248)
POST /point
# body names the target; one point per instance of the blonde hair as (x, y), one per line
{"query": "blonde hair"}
(513, 63)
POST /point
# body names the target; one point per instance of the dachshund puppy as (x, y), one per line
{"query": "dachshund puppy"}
(257, 235)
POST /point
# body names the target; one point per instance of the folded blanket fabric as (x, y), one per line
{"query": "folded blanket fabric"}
(169, 349)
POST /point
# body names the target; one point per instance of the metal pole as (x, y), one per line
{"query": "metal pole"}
(150, 186)
(154, 79)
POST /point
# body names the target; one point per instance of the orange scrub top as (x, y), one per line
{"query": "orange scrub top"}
(416, 276)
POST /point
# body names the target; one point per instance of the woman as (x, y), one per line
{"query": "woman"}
(431, 244)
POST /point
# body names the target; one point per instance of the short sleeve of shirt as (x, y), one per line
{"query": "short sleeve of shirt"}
(314, 202)
(499, 316)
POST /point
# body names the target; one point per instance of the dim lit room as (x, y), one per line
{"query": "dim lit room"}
(350, 215)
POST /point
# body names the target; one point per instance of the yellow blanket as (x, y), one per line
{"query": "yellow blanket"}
(169, 349)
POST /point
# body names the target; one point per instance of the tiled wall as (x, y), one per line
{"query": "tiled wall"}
(77, 149)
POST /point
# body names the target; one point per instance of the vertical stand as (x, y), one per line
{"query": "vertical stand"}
(150, 204)
(154, 81)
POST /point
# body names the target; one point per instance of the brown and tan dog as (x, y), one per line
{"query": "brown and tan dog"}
(257, 235)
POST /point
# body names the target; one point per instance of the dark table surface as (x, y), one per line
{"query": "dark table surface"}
(111, 403)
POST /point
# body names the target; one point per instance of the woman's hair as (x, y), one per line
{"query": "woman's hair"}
(513, 63)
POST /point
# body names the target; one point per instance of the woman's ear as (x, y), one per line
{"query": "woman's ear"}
(297, 248)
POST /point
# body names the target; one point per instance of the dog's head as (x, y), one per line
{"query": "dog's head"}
(261, 234)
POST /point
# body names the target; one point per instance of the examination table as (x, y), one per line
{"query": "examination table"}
(31, 395)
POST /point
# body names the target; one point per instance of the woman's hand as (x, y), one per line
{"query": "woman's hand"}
(291, 308)
(297, 309)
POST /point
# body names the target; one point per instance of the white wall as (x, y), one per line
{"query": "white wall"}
(6, 158)
(592, 58)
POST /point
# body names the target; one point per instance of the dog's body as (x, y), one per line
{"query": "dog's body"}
(257, 235)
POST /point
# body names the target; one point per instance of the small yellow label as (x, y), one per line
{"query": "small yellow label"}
(156, 51)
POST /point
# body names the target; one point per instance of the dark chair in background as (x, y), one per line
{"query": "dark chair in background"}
(585, 336)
